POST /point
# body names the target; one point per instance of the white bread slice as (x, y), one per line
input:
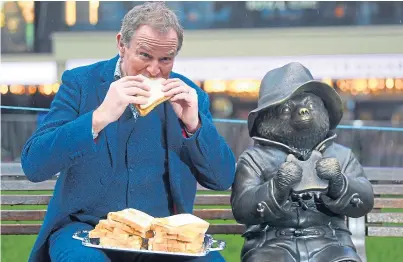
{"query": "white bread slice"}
(97, 233)
(184, 224)
(185, 236)
(135, 219)
(157, 96)
(104, 224)
(112, 242)
(172, 246)
(123, 226)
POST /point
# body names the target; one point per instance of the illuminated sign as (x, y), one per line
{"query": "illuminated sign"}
(281, 5)
(17, 26)
(28, 73)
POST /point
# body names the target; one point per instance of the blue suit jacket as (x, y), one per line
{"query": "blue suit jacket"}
(63, 143)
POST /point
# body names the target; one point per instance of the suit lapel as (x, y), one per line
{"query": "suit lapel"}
(174, 141)
(110, 130)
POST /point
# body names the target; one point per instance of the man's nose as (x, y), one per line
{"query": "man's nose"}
(303, 111)
(153, 68)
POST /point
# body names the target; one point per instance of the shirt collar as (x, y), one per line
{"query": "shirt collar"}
(117, 75)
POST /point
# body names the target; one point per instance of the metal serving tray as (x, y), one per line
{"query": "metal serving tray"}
(209, 242)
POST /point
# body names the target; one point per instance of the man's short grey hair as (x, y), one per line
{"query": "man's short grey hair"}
(154, 14)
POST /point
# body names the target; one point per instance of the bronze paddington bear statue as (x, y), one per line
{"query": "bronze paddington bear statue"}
(295, 187)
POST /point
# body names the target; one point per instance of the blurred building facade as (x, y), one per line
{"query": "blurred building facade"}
(354, 46)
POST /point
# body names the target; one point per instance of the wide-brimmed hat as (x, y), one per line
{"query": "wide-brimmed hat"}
(280, 84)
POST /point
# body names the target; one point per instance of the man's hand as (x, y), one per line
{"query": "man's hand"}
(329, 169)
(121, 93)
(184, 102)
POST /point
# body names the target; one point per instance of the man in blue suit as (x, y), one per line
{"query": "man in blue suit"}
(110, 158)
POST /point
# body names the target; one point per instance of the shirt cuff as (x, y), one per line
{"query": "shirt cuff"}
(184, 134)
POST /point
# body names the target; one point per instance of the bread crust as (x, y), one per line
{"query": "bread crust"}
(156, 85)
(145, 111)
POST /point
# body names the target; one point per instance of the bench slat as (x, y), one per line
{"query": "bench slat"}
(385, 231)
(28, 215)
(11, 169)
(27, 185)
(226, 229)
(385, 218)
(49, 185)
(25, 199)
(44, 199)
(373, 173)
(384, 173)
(22, 215)
(213, 213)
(388, 203)
(388, 189)
(382, 189)
(18, 229)
(33, 229)
(392, 189)
(200, 200)
(212, 200)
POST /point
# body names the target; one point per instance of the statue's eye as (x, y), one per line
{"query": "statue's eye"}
(309, 105)
(285, 110)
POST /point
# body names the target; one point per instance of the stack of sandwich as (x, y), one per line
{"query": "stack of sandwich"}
(179, 233)
(124, 229)
(134, 229)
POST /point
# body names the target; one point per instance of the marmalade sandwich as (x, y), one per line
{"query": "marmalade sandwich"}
(157, 96)
(131, 228)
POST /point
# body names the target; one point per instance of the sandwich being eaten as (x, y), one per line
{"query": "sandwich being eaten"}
(156, 98)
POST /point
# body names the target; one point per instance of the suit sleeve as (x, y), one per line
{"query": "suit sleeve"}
(248, 191)
(357, 187)
(63, 137)
(211, 156)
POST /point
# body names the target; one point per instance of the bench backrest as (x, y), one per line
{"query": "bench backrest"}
(384, 220)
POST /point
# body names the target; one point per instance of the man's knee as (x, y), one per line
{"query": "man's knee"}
(81, 254)
(210, 257)
(63, 248)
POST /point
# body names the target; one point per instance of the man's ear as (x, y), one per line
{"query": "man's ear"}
(120, 44)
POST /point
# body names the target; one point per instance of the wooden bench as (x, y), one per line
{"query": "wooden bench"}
(387, 183)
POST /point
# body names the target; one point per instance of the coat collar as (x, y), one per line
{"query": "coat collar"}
(321, 147)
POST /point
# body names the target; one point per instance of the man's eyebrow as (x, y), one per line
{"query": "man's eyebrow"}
(172, 53)
(140, 46)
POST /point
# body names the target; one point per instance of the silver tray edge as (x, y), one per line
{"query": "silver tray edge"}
(83, 237)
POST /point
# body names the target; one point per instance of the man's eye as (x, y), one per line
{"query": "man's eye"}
(309, 105)
(166, 59)
(145, 55)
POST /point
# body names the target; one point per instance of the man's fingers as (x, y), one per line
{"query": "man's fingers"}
(181, 96)
(130, 84)
(136, 91)
(171, 80)
(139, 78)
(171, 85)
(177, 90)
(137, 100)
